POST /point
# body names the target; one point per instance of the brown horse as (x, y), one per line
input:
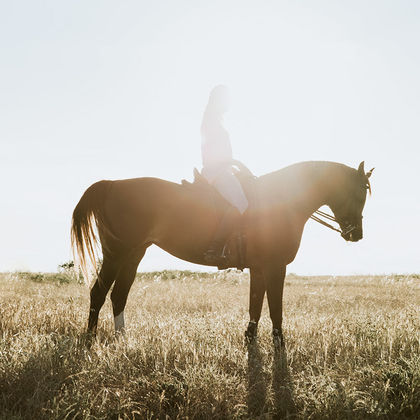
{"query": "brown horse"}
(132, 214)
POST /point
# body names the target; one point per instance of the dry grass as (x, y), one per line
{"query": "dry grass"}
(352, 350)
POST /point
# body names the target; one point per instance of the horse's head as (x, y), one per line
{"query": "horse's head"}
(349, 202)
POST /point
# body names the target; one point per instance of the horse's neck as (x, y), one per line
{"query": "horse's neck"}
(304, 187)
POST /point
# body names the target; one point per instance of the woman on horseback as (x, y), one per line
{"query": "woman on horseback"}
(216, 153)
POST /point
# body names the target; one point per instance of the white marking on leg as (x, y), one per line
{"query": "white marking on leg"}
(119, 322)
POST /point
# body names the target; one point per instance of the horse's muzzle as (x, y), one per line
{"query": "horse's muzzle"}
(352, 233)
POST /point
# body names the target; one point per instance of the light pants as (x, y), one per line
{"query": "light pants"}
(230, 188)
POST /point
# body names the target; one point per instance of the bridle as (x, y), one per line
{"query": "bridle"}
(348, 227)
(347, 230)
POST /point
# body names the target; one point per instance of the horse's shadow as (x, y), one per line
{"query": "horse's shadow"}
(282, 403)
(282, 385)
(39, 379)
(257, 381)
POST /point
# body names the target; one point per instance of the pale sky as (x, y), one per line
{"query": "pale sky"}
(109, 90)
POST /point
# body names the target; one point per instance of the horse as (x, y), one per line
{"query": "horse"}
(130, 215)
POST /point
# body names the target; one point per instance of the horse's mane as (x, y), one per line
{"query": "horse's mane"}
(319, 168)
(322, 165)
(295, 179)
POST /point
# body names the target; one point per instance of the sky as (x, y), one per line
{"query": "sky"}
(111, 90)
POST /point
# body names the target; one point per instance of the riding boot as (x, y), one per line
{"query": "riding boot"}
(215, 253)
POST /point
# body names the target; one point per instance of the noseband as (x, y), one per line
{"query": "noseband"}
(347, 229)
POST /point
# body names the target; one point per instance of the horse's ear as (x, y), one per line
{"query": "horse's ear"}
(368, 174)
(361, 169)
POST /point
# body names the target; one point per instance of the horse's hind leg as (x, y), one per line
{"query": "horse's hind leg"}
(256, 298)
(99, 291)
(122, 286)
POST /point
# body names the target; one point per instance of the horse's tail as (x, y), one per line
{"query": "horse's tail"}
(87, 217)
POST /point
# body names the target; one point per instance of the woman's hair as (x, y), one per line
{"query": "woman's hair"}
(218, 100)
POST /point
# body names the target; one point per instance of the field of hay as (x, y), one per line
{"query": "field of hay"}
(352, 350)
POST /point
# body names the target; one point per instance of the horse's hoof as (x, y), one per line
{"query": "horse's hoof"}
(250, 339)
(278, 344)
(119, 333)
(251, 332)
(278, 340)
(87, 339)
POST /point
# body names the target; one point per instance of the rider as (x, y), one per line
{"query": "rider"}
(216, 153)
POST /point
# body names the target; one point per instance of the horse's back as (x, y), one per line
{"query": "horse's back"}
(140, 207)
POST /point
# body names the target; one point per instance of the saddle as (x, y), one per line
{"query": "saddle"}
(244, 175)
(199, 181)
(234, 250)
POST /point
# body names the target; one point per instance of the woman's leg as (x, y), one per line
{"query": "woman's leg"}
(231, 189)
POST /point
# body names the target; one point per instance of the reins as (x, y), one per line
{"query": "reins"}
(244, 169)
(323, 222)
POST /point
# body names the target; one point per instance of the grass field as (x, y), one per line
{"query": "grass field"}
(352, 350)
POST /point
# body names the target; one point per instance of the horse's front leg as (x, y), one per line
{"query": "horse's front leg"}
(274, 278)
(256, 298)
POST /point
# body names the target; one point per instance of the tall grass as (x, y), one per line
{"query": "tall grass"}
(352, 350)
